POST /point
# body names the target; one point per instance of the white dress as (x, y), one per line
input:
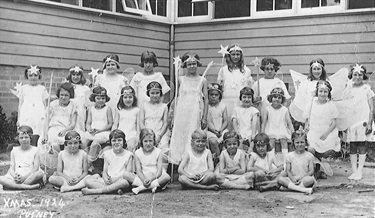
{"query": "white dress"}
(265, 163)
(24, 160)
(149, 162)
(117, 164)
(233, 82)
(276, 126)
(140, 81)
(72, 164)
(99, 121)
(303, 96)
(247, 118)
(266, 86)
(360, 113)
(319, 121)
(32, 111)
(113, 85)
(187, 116)
(215, 119)
(154, 116)
(81, 95)
(128, 122)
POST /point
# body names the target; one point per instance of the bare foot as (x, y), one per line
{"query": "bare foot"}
(64, 188)
(86, 191)
(309, 191)
(214, 187)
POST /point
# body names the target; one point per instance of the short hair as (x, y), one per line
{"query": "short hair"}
(270, 60)
(215, 87)
(261, 138)
(324, 73)
(187, 55)
(231, 135)
(299, 134)
(99, 91)
(33, 66)
(80, 72)
(247, 91)
(153, 85)
(149, 56)
(324, 82)
(24, 130)
(72, 134)
(277, 91)
(67, 87)
(350, 75)
(113, 57)
(229, 61)
(146, 132)
(198, 132)
(130, 90)
(116, 133)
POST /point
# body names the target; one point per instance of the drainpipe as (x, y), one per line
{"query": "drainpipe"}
(171, 53)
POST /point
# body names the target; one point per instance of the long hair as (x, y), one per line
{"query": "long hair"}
(230, 63)
(74, 69)
(146, 132)
(324, 73)
(127, 90)
(67, 87)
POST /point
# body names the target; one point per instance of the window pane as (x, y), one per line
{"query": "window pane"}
(283, 4)
(264, 5)
(184, 8)
(200, 8)
(353, 4)
(159, 7)
(98, 4)
(233, 8)
(310, 3)
(71, 2)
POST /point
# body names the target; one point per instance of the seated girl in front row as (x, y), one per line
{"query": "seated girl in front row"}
(71, 165)
(197, 168)
(149, 164)
(24, 171)
(117, 169)
(232, 165)
(263, 163)
(299, 166)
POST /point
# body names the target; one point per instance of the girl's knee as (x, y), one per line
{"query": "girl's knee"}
(308, 181)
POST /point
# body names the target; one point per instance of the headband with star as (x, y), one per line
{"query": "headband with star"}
(357, 68)
(316, 64)
(127, 92)
(76, 69)
(34, 70)
(191, 59)
(109, 59)
(235, 48)
(214, 87)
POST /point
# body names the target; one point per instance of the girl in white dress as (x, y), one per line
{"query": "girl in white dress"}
(99, 123)
(361, 131)
(154, 114)
(127, 117)
(245, 119)
(81, 96)
(111, 80)
(233, 77)
(71, 165)
(24, 171)
(197, 168)
(32, 101)
(232, 165)
(149, 164)
(191, 109)
(117, 170)
(276, 122)
(141, 79)
(63, 117)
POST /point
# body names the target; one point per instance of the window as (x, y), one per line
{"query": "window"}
(98, 4)
(137, 6)
(272, 5)
(187, 8)
(159, 7)
(319, 3)
(232, 8)
(354, 4)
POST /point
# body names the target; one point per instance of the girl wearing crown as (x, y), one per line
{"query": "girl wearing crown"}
(233, 77)
(361, 130)
(191, 109)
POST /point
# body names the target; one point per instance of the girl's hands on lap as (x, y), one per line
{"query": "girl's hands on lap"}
(73, 181)
(146, 183)
(108, 181)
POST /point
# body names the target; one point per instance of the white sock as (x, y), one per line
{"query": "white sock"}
(353, 161)
(138, 189)
(285, 152)
(361, 163)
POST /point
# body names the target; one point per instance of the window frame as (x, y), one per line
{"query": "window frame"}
(192, 18)
(321, 10)
(137, 10)
(274, 13)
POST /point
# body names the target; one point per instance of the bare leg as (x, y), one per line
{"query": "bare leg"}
(34, 178)
(286, 183)
(214, 147)
(57, 181)
(11, 184)
(94, 182)
(80, 185)
(186, 182)
(114, 187)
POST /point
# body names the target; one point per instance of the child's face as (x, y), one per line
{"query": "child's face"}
(76, 77)
(148, 143)
(317, 71)
(232, 145)
(247, 100)
(111, 67)
(269, 72)
(323, 94)
(262, 149)
(33, 78)
(64, 96)
(357, 77)
(214, 96)
(155, 95)
(277, 100)
(199, 143)
(72, 146)
(192, 67)
(128, 100)
(24, 139)
(148, 66)
(235, 56)
(300, 144)
(100, 100)
(117, 144)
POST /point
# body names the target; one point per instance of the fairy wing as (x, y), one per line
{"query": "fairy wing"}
(338, 81)
(301, 96)
(47, 156)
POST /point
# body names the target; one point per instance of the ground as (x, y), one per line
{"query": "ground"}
(333, 198)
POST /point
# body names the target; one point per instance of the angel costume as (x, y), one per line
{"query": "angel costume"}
(32, 110)
(233, 82)
(304, 95)
(266, 86)
(187, 115)
(320, 118)
(81, 96)
(140, 81)
(154, 116)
